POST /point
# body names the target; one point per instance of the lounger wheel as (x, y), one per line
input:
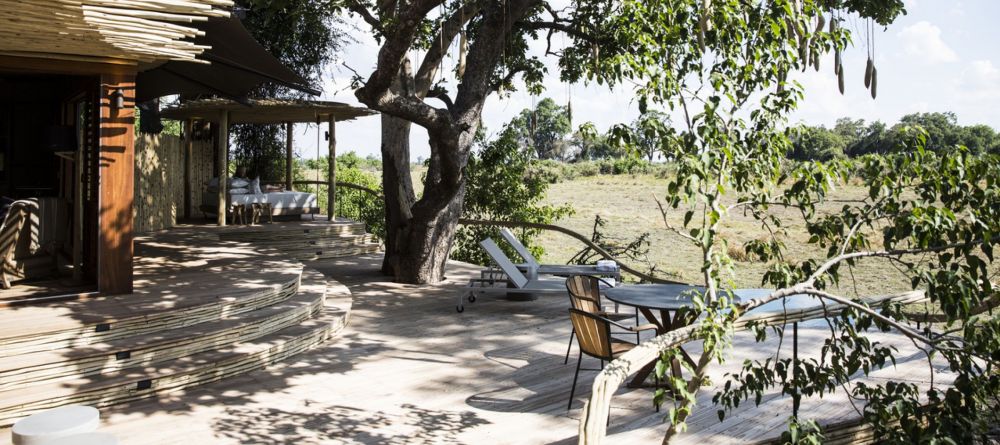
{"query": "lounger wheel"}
(460, 308)
(472, 297)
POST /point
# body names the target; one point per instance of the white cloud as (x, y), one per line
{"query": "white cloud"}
(981, 74)
(923, 41)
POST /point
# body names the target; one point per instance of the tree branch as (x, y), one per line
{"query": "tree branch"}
(886, 253)
(366, 15)
(563, 27)
(441, 94)
(445, 35)
(484, 55)
(376, 93)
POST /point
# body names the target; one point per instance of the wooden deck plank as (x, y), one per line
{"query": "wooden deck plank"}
(411, 370)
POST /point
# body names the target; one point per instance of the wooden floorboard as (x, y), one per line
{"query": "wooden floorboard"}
(409, 369)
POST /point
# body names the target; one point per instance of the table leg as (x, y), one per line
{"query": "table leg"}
(665, 323)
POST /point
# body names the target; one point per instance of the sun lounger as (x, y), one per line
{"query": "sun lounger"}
(560, 270)
(521, 283)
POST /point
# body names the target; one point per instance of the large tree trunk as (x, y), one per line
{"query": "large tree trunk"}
(397, 186)
(425, 242)
(419, 234)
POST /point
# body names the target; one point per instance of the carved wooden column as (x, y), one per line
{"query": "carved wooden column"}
(116, 191)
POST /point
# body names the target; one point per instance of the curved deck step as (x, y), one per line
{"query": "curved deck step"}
(305, 229)
(196, 369)
(194, 298)
(144, 350)
(326, 252)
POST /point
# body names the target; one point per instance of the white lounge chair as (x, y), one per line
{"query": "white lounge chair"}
(521, 284)
(559, 270)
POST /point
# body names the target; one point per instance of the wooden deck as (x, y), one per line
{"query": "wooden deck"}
(204, 309)
(409, 369)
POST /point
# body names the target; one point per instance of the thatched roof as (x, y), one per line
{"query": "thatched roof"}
(265, 111)
(132, 30)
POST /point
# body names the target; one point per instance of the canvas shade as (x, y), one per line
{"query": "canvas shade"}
(237, 65)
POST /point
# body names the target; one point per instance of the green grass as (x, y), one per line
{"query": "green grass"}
(627, 204)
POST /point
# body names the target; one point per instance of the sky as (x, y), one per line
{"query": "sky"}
(943, 55)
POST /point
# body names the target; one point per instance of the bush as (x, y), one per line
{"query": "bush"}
(586, 168)
(503, 184)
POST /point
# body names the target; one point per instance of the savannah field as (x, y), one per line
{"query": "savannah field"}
(627, 203)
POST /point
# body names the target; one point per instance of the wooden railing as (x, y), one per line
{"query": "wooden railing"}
(517, 224)
(593, 418)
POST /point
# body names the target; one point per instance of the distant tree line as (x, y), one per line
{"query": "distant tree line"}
(546, 132)
(855, 137)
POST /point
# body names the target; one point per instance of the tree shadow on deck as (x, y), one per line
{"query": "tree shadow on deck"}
(344, 424)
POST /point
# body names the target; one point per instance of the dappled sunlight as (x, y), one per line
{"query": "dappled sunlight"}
(407, 369)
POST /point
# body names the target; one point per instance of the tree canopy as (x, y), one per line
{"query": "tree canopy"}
(543, 130)
(302, 34)
(855, 137)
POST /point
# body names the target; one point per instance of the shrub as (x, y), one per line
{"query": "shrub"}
(586, 168)
(503, 184)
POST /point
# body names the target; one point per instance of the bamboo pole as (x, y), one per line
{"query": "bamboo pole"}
(288, 157)
(331, 189)
(188, 164)
(142, 30)
(223, 160)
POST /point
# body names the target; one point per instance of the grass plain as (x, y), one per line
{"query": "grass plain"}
(628, 204)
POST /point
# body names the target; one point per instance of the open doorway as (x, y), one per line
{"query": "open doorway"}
(48, 183)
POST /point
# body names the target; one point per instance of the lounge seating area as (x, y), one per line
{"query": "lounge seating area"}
(250, 203)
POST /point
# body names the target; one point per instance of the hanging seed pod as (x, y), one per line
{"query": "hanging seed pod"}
(463, 49)
(804, 53)
(836, 61)
(781, 82)
(815, 61)
(840, 80)
(868, 72)
(706, 6)
(595, 49)
(874, 81)
(833, 24)
(820, 22)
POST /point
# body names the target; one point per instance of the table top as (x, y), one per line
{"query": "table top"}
(654, 296)
(675, 296)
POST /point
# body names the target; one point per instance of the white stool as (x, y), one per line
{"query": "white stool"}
(41, 428)
(85, 439)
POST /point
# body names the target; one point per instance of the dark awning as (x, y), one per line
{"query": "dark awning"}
(265, 111)
(237, 65)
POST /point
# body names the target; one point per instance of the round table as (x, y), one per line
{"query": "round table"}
(664, 298)
(678, 299)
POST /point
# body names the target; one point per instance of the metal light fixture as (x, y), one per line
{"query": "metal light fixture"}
(117, 99)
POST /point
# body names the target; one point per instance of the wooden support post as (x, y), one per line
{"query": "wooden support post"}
(223, 161)
(331, 188)
(78, 212)
(288, 156)
(188, 164)
(116, 176)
